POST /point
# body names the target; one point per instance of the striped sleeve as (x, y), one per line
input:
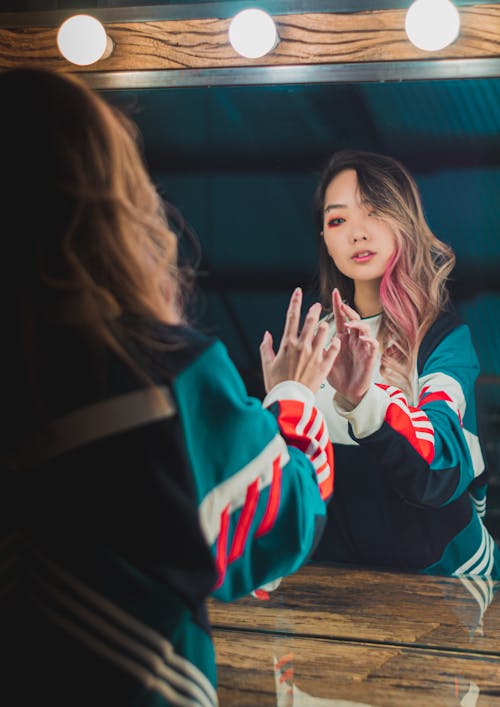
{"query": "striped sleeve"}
(262, 475)
(302, 426)
(431, 451)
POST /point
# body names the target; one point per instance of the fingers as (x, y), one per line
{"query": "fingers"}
(371, 345)
(338, 313)
(267, 354)
(325, 355)
(320, 336)
(343, 313)
(267, 357)
(358, 327)
(293, 314)
(349, 312)
(310, 324)
(331, 353)
(359, 334)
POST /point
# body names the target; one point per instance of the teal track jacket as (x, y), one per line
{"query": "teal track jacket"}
(139, 501)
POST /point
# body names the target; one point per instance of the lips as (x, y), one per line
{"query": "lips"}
(363, 256)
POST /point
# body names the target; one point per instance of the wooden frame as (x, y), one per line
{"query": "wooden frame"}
(330, 46)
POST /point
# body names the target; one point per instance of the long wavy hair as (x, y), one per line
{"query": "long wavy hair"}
(86, 239)
(413, 288)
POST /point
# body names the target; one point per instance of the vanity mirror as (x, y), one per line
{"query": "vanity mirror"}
(237, 144)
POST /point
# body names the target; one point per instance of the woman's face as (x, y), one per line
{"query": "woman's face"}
(359, 242)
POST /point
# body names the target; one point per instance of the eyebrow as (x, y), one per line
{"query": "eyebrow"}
(334, 206)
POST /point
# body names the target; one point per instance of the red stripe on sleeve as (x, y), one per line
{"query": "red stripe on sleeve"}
(437, 395)
(290, 414)
(310, 422)
(261, 594)
(221, 549)
(400, 421)
(402, 418)
(273, 502)
(316, 454)
(326, 486)
(281, 663)
(244, 521)
(287, 675)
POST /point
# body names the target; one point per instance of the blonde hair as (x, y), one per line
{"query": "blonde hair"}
(413, 289)
(89, 243)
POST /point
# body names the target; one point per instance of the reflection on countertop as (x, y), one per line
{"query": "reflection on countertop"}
(345, 636)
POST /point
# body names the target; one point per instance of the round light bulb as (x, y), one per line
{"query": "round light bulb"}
(252, 33)
(83, 40)
(432, 24)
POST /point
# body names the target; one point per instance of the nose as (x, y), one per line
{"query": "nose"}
(359, 228)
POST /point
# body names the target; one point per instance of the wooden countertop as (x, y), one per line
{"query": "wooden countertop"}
(353, 635)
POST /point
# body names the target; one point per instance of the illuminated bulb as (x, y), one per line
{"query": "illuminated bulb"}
(252, 33)
(83, 40)
(432, 24)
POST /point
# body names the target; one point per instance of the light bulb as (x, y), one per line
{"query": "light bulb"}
(252, 33)
(83, 40)
(432, 24)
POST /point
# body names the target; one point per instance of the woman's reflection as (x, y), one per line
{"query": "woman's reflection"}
(410, 487)
(289, 695)
(470, 600)
(462, 692)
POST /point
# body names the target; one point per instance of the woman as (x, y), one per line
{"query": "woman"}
(399, 402)
(138, 477)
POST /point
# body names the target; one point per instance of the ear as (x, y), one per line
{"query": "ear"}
(321, 234)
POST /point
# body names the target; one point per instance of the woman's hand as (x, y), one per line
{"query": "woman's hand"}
(352, 371)
(301, 357)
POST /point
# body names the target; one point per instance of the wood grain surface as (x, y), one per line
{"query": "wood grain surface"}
(310, 38)
(346, 603)
(339, 673)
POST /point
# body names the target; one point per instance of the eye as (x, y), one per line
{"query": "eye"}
(335, 221)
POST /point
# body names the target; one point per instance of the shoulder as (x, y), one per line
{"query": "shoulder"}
(184, 337)
(167, 350)
(448, 349)
(447, 322)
